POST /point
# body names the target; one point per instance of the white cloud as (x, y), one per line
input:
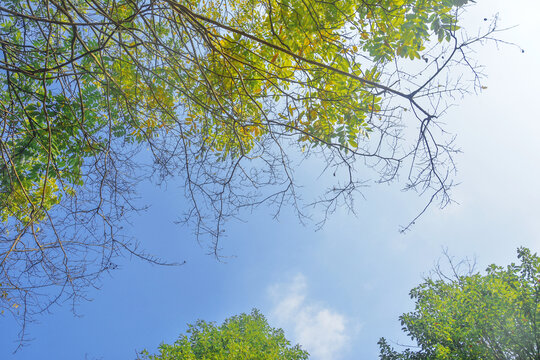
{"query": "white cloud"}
(321, 331)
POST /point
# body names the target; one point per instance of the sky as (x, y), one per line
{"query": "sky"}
(337, 290)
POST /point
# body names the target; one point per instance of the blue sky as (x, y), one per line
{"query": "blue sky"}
(337, 290)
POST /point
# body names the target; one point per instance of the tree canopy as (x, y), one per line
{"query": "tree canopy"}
(474, 316)
(228, 95)
(245, 336)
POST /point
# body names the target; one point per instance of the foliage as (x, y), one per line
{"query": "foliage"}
(245, 336)
(474, 316)
(226, 94)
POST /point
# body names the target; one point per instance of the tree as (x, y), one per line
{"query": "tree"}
(474, 316)
(229, 95)
(245, 336)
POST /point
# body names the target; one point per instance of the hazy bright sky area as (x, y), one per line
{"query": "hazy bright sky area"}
(338, 290)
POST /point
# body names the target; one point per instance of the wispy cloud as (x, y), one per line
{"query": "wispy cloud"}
(321, 331)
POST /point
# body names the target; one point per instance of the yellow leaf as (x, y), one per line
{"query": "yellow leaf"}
(291, 110)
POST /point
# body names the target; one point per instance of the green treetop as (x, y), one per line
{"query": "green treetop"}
(468, 317)
(245, 336)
